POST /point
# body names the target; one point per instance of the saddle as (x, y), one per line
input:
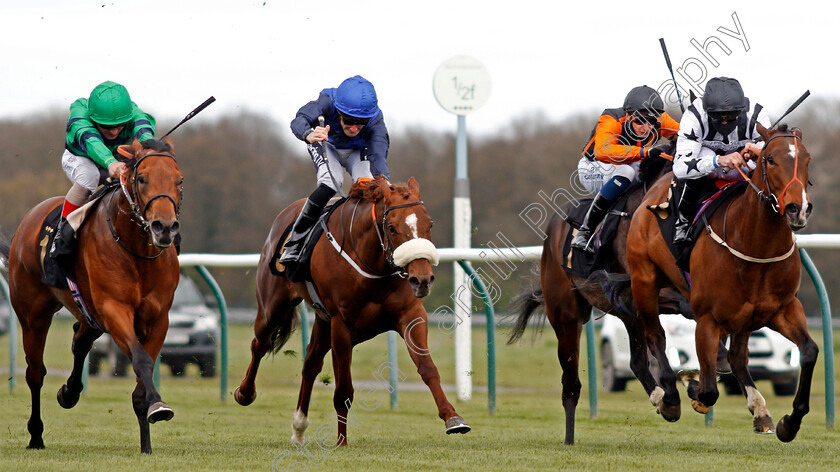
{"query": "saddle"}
(582, 263)
(713, 196)
(300, 272)
(53, 273)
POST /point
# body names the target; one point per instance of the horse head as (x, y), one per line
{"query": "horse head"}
(154, 186)
(783, 166)
(406, 232)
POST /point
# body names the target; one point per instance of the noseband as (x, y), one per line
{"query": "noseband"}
(775, 204)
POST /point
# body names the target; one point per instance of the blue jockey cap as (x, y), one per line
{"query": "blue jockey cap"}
(356, 97)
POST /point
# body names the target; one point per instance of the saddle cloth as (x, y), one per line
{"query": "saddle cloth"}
(582, 263)
(713, 197)
(300, 272)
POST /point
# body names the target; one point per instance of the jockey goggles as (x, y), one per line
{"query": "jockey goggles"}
(721, 116)
(645, 118)
(353, 121)
(112, 127)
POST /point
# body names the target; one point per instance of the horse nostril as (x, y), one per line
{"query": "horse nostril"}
(808, 209)
(157, 227)
(431, 280)
(414, 282)
(792, 209)
(174, 227)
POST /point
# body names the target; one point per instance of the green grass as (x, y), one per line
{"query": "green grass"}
(526, 433)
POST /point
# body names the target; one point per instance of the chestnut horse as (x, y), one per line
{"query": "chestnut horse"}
(126, 270)
(743, 277)
(372, 286)
(569, 299)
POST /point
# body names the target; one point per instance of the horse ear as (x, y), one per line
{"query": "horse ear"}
(797, 132)
(169, 143)
(413, 186)
(137, 146)
(762, 131)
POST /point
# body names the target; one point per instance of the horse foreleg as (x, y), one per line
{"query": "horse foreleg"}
(706, 341)
(83, 338)
(319, 345)
(568, 352)
(790, 322)
(146, 400)
(34, 339)
(414, 330)
(739, 360)
(639, 362)
(666, 398)
(342, 356)
(264, 327)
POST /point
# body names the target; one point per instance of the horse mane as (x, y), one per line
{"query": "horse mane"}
(156, 145)
(372, 191)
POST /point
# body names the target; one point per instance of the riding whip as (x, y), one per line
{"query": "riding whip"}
(671, 70)
(323, 151)
(792, 107)
(192, 114)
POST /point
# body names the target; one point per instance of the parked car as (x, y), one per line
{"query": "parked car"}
(772, 356)
(191, 338)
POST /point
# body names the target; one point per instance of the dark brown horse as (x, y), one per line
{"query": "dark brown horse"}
(372, 286)
(126, 269)
(569, 299)
(745, 274)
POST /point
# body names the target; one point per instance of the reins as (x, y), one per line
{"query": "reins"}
(765, 195)
(385, 242)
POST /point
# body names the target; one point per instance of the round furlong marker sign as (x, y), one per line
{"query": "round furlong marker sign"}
(461, 85)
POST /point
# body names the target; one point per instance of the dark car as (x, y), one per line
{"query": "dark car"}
(191, 338)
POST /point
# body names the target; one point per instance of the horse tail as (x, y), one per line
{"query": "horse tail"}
(524, 305)
(616, 287)
(283, 332)
(5, 248)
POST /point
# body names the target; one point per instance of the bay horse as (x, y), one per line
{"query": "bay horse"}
(126, 270)
(370, 274)
(569, 298)
(743, 277)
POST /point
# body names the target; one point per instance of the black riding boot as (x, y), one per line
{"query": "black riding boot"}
(305, 221)
(685, 213)
(596, 213)
(64, 242)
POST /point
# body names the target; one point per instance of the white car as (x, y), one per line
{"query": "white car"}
(772, 356)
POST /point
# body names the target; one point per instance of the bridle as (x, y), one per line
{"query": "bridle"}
(138, 208)
(768, 195)
(386, 241)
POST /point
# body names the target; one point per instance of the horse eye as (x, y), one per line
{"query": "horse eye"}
(141, 179)
(392, 229)
(770, 160)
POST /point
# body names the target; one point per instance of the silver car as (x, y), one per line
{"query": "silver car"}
(772, 356)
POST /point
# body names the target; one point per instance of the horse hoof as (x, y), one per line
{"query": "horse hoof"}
(786, 432)
(457, 425)
(699, 407)
(36, 444)
(65, 398)
(241, 399)
(671, 413)
(159, 412)
(763, 425)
